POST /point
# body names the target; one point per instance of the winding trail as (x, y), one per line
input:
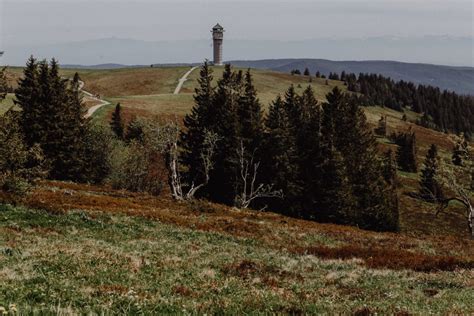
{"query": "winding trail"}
(102, 103)
(183, 79)
(90, 96)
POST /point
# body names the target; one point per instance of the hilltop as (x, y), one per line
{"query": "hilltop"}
(148, 92)
(457, 79)
(74, 248)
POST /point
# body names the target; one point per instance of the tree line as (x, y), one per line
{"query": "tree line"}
(441, 110)
(302, 158)
(321, 157)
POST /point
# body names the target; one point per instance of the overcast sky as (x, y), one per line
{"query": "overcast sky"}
(45, 21)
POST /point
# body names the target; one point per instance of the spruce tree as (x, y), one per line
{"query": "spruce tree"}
(52, 116)
(135, 131)
(27, 98)
(116, 124)
(390, 168)
(406, 152)
(381, 129)
(306, 72)
(196, 123)
(335, 200)
(430, 189)
(223, 178)
(66, 139)
(307, 129)
(371, 199)
(250, 117)
(281, 154)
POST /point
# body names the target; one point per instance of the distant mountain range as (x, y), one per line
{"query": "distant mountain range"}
(440, 50)
(458, 79)
(267, 54)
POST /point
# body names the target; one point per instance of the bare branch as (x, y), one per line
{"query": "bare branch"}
(457, 180)
(248, 174)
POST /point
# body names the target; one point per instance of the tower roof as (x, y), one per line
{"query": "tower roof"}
(218, 27)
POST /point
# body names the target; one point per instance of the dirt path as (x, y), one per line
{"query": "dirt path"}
(90, 96)
(102, 103)
(183, 79)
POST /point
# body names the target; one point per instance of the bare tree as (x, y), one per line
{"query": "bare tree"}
(248, 175)
(458, 182)
(179, 190)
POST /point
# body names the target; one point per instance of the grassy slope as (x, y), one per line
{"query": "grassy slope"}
(147, 91)
(120, 252)
(6, 104)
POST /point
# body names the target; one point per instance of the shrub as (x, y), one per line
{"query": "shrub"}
(19, 165)
(139, 164)
(100, 143)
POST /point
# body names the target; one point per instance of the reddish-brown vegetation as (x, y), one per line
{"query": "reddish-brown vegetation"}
(396, 259)
(377, 250)
(269, 275)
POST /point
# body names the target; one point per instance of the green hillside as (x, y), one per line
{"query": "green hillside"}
(68, 248)
(148, 92)
(102, 251)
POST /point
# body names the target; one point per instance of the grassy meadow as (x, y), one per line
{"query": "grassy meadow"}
(77, 249)
(82, 249)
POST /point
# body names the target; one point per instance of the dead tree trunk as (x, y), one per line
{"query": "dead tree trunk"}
(207, 154)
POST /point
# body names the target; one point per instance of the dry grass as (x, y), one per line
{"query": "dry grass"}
(271, 83)
(120, 82)
(397, 259)
(97, 250)
(445, 252)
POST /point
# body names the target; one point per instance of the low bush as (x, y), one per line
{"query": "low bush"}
(19, 166)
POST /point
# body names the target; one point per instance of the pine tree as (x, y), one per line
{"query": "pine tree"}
(27, 98)
(66, 138)
(381, 129)
(309, 152)
(430, 189)
(135, 131)
(223, 178)
(318, 74)
(371, 198)
(196, 123)
(306, 72)
(250, 116)
(116, 124)
(406, 152)
(343, 76)
(390, 168)
(52, 116)
(281, 154)
(335, 200)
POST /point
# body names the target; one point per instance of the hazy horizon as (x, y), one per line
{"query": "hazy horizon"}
(35, 26)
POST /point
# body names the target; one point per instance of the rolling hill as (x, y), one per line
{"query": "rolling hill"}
(147, 92)
(457, 79)
(83, 249)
